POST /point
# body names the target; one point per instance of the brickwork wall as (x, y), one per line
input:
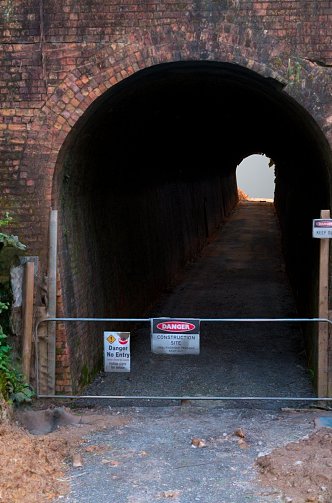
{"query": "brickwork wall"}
(58, 56)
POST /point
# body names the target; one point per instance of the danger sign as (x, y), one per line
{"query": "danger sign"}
(175, 337)
(117, 351)
(322, 228)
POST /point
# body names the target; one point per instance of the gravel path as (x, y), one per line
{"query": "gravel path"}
(240, 274)
(151, 459)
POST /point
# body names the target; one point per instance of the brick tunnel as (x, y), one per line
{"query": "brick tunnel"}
(148, 174)
(130, 119)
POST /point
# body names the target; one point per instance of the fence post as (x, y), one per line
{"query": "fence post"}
(51, 311)
(323, 312)
(28, 292)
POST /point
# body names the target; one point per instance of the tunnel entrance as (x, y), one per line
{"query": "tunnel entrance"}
(239, 274)
(147, 177)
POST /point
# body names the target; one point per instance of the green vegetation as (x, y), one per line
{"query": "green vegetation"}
(294, 71)
(9, 239)
(85, 376)
(13, 387)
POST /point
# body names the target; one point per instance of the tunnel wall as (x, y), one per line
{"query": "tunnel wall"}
(135, 255)
(301, 251)
(58, 57)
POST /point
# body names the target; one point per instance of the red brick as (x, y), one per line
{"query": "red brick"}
(88, 47)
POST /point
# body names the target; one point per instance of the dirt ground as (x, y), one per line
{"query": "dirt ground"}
(33, 466)
(301, 470)
(223, 451)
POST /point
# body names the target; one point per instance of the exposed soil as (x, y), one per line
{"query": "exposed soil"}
(33, 467)
(301, 470)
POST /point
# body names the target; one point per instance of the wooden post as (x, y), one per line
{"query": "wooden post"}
(28, 293)
(323, 312)
(41, 313)
(329, 363)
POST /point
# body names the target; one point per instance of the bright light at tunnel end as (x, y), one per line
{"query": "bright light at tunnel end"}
(255, 177)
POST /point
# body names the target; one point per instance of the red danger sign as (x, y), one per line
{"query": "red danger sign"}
(175, 337)
(322, 228)
(322, 223)
(175, 326)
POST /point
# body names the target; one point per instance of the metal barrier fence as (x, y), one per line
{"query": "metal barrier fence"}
(179, 398)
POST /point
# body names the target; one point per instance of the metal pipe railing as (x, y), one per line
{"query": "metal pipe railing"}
(178, 398)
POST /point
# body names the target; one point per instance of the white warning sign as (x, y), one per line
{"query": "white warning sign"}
(175, 337)
(322, 228)
(117, 351)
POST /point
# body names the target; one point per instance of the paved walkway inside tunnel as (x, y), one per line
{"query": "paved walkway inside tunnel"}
(241, 274)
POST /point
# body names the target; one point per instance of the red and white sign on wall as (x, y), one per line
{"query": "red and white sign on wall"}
(175, 337)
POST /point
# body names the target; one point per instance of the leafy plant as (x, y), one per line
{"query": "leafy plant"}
(12, 384)
(9, 239)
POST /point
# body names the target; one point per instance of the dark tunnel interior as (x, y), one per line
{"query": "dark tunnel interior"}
(148, 174)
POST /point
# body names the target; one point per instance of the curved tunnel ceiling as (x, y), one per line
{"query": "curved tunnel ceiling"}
(187, 118)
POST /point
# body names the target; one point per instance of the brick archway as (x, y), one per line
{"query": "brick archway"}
(76, 185)
(59, 67)
(82, 86)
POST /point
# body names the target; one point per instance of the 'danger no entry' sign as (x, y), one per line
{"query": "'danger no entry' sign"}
(117, 351)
